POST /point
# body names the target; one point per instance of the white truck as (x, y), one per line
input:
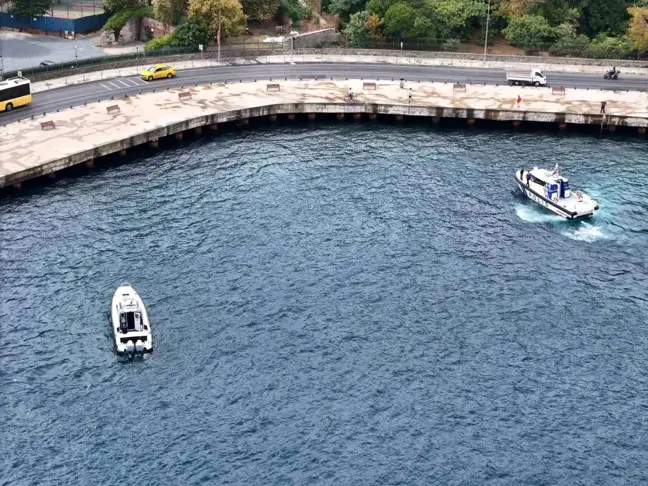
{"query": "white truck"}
(521, 78)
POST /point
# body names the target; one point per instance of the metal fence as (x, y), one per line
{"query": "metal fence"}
(54, 24)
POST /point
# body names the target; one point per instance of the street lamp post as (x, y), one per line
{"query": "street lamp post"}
(486, 37)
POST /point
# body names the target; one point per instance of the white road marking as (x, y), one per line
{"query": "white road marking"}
(136, 81)
(125, 84)
(114, 85)
(106, 87)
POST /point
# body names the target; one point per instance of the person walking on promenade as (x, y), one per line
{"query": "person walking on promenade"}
(603, 103)
(519, 100)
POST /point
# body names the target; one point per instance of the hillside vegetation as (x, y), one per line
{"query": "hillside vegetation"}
(592, 28)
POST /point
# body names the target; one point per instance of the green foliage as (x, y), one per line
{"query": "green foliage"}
(160, 43)
(260, 9)
(226, 15)
(192, 34)
(356, 31)
(346, 7)
(604, 47)
(559, 11)
(400, 20)
(294, 10)
(169, 11)
(604, 17)
(117, 22)
(379, 7)
(117, 5)
(451, 45)
(570, 46)
(530, 32)
(459, 17)
(29, 8)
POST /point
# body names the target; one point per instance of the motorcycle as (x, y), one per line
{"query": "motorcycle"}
(611, 74)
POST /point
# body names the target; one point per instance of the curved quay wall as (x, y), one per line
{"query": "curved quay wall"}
(47, 144)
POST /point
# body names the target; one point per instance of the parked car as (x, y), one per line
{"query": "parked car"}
(159, 71)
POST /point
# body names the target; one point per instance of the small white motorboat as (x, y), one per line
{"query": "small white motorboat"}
(551, 190)
(130, 322)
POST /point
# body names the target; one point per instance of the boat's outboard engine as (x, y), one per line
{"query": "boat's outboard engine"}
(130, 347)
(139, 346)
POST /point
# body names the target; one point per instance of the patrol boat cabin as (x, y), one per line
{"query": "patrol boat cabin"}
(552, 190)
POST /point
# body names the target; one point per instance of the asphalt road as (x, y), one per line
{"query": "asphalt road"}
(75, 95)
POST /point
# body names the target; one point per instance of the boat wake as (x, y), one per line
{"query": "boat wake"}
(575, 230)
(585, 232)
(532, 215)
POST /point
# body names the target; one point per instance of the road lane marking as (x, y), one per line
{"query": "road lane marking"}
(136, 82)
(126, 85)
(114, 85)
(106, 87)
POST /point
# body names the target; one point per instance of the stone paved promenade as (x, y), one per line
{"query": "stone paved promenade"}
(86, 132)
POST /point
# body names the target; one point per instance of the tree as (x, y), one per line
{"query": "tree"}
(458, 16)
(117, 5)
(399, 20)
(346, 7)
(604, 17)
(517, 8)
(260, 9)
(356, 30)
(29, 8)
(638, 28)
(192, 33)
(379, 7)
(230, 12)
(166, 11)
(530, 32)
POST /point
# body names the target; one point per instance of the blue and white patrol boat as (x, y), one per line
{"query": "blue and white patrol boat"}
(551, 190)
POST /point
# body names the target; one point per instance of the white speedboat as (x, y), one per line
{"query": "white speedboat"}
(130, 322)
(551, 190)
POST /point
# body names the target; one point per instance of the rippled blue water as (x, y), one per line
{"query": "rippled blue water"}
(331, 305)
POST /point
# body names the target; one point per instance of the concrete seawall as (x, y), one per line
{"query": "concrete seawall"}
(47, 144)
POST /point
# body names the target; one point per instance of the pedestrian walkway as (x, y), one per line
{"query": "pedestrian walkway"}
(87, 132)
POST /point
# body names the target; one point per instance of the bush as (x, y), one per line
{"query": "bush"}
(294, 10)
(117, 22)
(530, 32)
(574, 46)
(192, 33)
(451, 45)
(604, 47)
(161, 42)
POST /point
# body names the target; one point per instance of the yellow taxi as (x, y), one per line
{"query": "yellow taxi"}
(159, 71)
